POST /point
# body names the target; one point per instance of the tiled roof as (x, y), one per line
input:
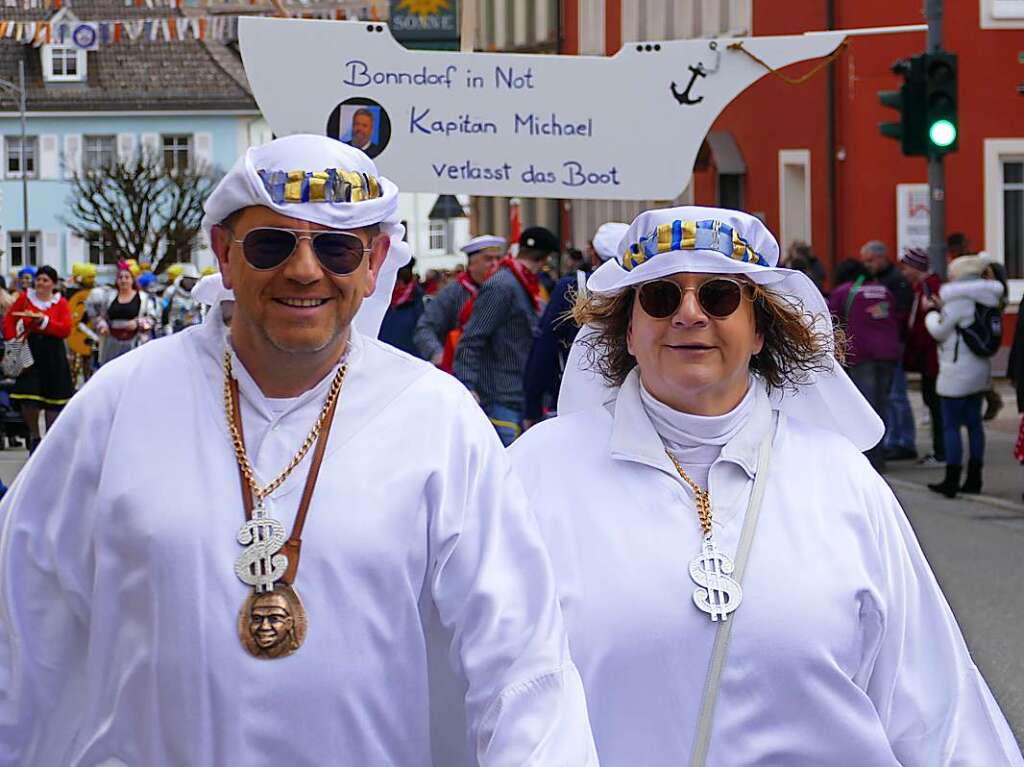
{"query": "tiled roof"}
(130, 75)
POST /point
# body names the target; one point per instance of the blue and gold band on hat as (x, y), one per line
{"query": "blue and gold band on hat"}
(692, 235)
(330, 185)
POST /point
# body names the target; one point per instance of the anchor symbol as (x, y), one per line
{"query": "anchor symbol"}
(684, 97)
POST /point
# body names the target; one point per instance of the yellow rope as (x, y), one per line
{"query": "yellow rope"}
(791, 80)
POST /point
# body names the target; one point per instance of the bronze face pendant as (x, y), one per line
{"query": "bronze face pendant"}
(272, 624)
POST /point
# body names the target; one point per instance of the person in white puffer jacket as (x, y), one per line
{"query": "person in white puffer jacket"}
(964, 376)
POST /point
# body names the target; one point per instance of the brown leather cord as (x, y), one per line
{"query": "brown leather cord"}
(792, 80)
(293, 546)
(236, 414)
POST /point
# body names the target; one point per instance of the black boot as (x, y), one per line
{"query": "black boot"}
(949, 486)
(994, 403)
(973, 482)
(33, 443)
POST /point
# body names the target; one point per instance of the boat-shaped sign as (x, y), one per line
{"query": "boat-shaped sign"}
(628, 126)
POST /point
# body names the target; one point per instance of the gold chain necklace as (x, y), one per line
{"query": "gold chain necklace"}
(272, 622)
(236, 438)
(718, 595)
(701, 497)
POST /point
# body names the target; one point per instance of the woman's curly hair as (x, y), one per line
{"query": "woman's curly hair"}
(796, 343)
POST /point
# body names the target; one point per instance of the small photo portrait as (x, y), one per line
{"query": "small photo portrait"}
(362, 123)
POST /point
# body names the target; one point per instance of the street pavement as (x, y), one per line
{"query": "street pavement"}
(975, 549)
(1004, 477)
(975, 546)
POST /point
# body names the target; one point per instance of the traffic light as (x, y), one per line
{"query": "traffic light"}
(926, 101)
(942, 125)
(910, 101)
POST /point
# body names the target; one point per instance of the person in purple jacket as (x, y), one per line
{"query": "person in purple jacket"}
(866, 309)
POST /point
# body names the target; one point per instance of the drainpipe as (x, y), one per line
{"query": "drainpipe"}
(830, 140)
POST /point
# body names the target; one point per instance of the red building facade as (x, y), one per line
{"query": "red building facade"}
(814, 162)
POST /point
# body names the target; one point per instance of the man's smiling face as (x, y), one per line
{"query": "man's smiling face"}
(298, 307)
(362, 129)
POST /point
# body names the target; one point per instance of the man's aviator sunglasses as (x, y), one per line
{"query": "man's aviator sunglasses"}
(718, 297)
(267, 247)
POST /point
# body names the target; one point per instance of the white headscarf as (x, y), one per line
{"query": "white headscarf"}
(210, 290)
(319, 179)
(717, 241)
(606, 239)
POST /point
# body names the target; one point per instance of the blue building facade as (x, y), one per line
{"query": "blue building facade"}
(185, 101)
(59, 144)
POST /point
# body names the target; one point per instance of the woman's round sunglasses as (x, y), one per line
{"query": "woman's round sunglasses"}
(718, 297)
(267, 247)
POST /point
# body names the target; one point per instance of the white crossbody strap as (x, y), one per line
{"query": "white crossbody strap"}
(721, 647)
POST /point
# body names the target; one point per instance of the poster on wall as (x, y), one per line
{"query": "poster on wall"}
(628, 126)
(913, 218)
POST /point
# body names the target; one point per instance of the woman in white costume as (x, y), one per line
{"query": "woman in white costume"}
(788, 616)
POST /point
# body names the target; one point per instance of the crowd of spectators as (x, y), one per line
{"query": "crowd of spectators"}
(899, 318)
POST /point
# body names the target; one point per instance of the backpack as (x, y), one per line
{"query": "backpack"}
(985, 334)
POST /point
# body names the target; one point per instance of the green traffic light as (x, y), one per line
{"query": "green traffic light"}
(942, 133)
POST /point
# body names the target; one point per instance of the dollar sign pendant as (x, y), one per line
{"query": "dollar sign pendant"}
(272, 621)
(719, 594)
(260, 566)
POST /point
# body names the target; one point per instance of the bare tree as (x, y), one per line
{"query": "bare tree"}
(140, 208)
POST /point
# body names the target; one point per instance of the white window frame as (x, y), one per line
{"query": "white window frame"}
(100, 252)
(12, 145)
(1001, 14)
(437, 230)
(190, 149)
(995, 151)
(1017, 186)
(88, 151)
(48, 64)
(35, 242)
(797, 157)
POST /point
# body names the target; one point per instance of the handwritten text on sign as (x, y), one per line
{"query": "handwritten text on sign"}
(507, 124)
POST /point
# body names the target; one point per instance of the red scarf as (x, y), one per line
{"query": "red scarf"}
(526, 278)
(451, 340)
(402, 293)
(467, 282)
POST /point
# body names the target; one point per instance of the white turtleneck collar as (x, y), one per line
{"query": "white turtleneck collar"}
(696, 441)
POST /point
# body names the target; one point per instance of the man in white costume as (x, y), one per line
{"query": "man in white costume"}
(151, 627)
(180, 309)
(740, 588)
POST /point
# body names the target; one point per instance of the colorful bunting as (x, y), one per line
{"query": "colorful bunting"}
(34, 5)
(360, 9)
(352, 9)
(216, 28)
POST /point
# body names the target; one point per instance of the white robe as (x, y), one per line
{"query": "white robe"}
(843, 653)
(118, 642)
